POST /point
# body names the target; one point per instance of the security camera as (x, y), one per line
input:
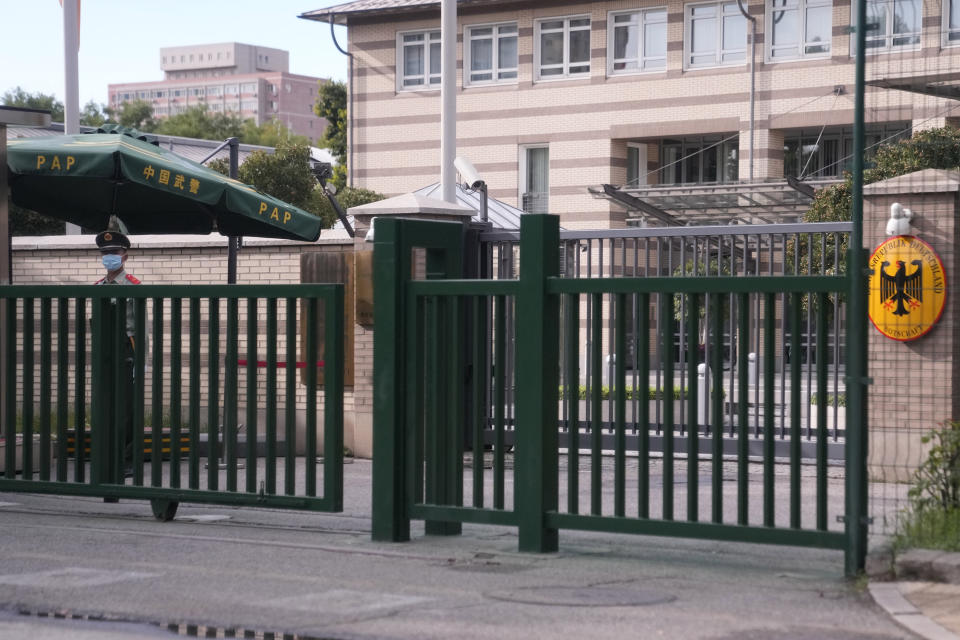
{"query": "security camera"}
(468, 172)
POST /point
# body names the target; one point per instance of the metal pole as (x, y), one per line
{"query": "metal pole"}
(71, 99)
(233, 242)
(448, 99)
(855, 516)
(753, 75)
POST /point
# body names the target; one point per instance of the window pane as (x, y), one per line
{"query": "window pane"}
(507, 52)
(481, 55)
(655, 39)
(955, 14)
(633, 165)
(819, 29)
(434, 58)
(691, 164)
(413, 61)
(625, 42)
(671, 168)
(551, 25)
(507, 28)
(709, 157)
(704, 36)
(580, 46)
(734, 33)
(731, 161)
(906, 16)
(413, 37)
(480, 32)
(551, 48)
(580, 22)
(786, 28)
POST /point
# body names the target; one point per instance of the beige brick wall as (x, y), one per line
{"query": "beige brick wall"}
(587, 121)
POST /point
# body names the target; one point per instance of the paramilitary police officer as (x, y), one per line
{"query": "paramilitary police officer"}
(113, 247)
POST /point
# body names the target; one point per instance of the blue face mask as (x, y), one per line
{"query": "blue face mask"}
(112, 262)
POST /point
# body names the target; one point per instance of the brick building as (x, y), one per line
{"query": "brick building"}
(565, 107)
(251, 81)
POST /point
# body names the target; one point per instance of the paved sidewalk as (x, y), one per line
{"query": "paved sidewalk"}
(926, 598)
(112, 571)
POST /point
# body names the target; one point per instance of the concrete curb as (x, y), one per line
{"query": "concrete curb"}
(930, 565)
(888, 596)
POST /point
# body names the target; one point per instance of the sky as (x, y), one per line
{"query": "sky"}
(120, 40)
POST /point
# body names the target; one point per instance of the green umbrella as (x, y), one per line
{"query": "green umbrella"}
(86, 178)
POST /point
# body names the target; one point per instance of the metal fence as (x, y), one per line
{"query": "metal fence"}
(191, 392)
(702, 252)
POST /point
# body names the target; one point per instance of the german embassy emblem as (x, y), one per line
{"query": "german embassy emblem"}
(908, 288)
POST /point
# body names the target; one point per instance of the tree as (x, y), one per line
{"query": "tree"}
(270, 134)
(332, 105)
(284, 174)
(92, 114)
(200, 122)
(347, 197)
(20, 98)
(137, 114)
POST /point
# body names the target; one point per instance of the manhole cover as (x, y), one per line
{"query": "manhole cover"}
(608, 596)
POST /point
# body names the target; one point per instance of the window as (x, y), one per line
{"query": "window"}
(716, 34)
(951, 23)
(197, 91)
(892, 24)
(249, 87)
(214, 90)
(828, 152)
(637, 41)
(232, 89)
(535, 179)
(799, 28)
(419, 59)
(700, 160)
(491, 53)
(562, 48)
(160, 94)
(636, 164)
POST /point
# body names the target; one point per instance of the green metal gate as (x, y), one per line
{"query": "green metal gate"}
(422, 315)
(222, 385)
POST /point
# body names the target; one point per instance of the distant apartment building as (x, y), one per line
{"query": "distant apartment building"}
(251, 81)
(612, 112)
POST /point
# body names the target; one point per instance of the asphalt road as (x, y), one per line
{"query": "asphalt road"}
(115, 572)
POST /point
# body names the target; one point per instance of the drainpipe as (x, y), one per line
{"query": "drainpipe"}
(448, 99)
(753, 77)
(349, 55)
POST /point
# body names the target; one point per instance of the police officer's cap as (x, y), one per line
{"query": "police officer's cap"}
(112, 240)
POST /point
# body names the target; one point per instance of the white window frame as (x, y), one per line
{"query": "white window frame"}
(889, 36)
(724, 8)
(429, 81)
(800, 48)
(643, 18)
(565, 65)
(946, 30)
(496, 71)
(522, 186)
(642, 161)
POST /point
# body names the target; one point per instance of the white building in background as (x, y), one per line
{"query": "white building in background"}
(251, 81)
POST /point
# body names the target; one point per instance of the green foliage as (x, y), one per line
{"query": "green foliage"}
(270, 134)
(841, 399)
(285, 174)
(200, 122)
(24, 222)
(930, 529)
(137, 114)
(332, 105)
(631, 393)
(92, 114)
(936, 482)
(19, 98)
(347, 197)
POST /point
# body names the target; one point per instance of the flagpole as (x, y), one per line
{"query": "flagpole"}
(71, 102)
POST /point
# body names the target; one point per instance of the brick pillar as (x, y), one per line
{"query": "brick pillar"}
(767, 154)
(405, 206)
(914, 386)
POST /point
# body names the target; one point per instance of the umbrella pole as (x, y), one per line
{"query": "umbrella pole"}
(233, 242)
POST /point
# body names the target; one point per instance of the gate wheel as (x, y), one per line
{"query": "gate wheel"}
(164, 510)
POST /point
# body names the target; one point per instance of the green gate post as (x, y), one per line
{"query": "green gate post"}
(538, 381)
(855, 516)
(391, 268)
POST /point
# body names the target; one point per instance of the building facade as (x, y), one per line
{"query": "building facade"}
(253, 82)
(556, 99)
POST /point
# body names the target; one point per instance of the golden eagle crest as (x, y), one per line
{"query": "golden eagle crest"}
(901, 289)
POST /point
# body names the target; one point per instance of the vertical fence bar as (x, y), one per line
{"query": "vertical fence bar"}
(230, 413)
(666, 335)
(251, 396)
(333, 399)
(643, 367)
(475, 305)
(693, 406)
(538, 333)
(311, 305)
(120, 393)
(63, 370)
(717, 410)
(156, 446)
(10, 392)
(46, 362)
(743, 428)
(28, 387)
(176, 389)
(769, 340)
(795, 395)
(194, 391)
(821, 302)
(139, 387)
(596, 405)
(80, 385)
(499, 398)
(290, 401)
(271, 397)
(571, 344)
(213, 394)
(620, 406)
